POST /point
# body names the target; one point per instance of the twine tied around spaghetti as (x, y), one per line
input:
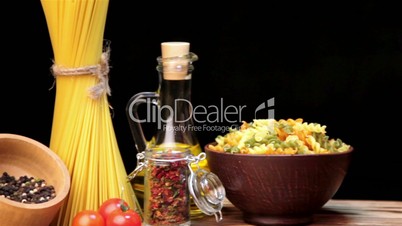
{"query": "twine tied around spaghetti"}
(101, 70)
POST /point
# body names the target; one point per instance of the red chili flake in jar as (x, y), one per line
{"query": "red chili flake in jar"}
(167, 199)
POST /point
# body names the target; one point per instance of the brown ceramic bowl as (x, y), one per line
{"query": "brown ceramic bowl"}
(20, 156)
(279, 189)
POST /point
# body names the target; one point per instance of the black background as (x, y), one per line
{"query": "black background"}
(338, 64)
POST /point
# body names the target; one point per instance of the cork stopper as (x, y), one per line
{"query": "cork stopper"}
(175, 49)
(175, 60)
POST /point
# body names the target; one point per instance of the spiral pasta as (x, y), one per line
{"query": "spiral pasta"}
(275, 137)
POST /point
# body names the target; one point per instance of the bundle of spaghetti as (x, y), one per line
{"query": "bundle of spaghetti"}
(82, 129)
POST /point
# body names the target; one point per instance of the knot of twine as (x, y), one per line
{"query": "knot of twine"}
(101, 70)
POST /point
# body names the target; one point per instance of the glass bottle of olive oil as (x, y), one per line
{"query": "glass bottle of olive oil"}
(169, 109)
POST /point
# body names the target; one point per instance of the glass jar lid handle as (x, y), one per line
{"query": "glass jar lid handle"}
(207, 190)
(141, 164)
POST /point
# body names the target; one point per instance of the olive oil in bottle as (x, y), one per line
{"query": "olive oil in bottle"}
(169, 108)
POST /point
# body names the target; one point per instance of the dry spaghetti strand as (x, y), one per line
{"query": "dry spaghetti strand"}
(82, 130)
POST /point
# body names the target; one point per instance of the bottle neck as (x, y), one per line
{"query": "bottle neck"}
(175, 89)
(175, 100)
(175, 108)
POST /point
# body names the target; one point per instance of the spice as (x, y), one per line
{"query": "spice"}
(168, 202)
(25, 189)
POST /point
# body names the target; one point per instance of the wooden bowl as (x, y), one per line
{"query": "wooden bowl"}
(20, 156)
(279, 189)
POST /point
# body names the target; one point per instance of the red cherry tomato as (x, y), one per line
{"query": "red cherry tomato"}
(108, 206)
(122, 217)
(88, 218)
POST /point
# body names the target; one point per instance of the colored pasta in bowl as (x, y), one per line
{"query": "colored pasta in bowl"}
(278, 137)
(279, 172)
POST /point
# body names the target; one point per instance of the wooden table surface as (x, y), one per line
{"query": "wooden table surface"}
(334, 212)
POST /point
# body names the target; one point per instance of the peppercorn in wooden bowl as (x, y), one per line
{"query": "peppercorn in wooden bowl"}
(34, 181)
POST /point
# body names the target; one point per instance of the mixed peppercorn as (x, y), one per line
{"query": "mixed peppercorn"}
(25, 189)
